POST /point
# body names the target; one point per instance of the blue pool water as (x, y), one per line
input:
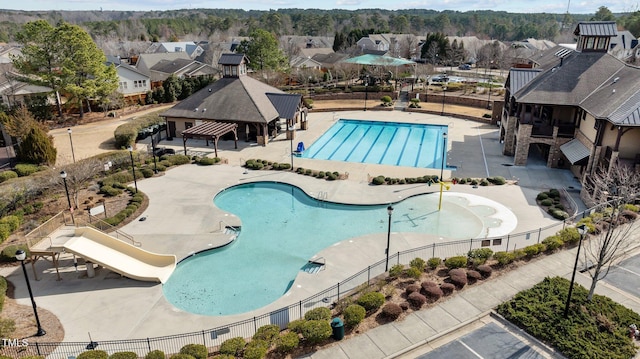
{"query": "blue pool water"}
(282, 228)
(386, 143)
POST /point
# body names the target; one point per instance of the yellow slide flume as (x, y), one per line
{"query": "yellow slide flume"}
(121, 257)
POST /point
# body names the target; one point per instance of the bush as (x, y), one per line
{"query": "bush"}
(484, 270)
(110, 191)
(542, 196)
(37, 148)
(198, 351)
(447, 288)
(413, 272)
(484, 182)
(93, 354)
(296, 325)
(473, 275)
(480, 255)
(320, 313)
(569, 235)
(233, 346)
(416, 299)
(12, 221)
(418, 263)
(553, 193)
(268, 332)
(396, 270)
(456, 262)
(497, 180)
(146, 172)
(26, 169)
(256, 349)
(504, 258)
(412, 288)
(553, 242)
(434, 262)
(181, 356)
(7, 175)
(124, 355)
(371, 301)
(353, 315)
(458, 277)
(627, 206)
(208, 161)
(8, 254)
(433, 293)
(287, 342)
(391, 311)
(378, 180)
(156, 354)
(546, 202)
(316, 331)
(534, 249)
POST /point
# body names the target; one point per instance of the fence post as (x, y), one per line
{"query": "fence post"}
(149, 344)
(507, 243)
(300, 310)
(539, 233)
(564, 222)
(204, 338)
(38, 348)
(433, 253)
(338, 290)
(368, 274)
(470, 244)
(255, 325)
(398, 258)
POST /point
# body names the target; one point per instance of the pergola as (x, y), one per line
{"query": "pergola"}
(210, 130)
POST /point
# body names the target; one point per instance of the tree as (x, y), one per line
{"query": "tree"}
(84, 73)
(37, 147)
(621, 185)
(263, 51)
(436, 46)
(171, 88)
(603, 14)
(79, 174)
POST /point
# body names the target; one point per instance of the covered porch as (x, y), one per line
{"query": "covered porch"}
(210, 131)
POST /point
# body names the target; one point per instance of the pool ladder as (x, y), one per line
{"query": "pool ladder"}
(322, 198)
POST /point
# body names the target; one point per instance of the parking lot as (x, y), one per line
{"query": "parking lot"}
(626, 275)
(489, 341)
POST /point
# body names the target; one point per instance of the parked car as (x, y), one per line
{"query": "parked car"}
(464, 67)
(164, 151)
(439, 79)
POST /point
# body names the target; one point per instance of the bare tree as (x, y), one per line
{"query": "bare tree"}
(79, 175)
(613, 225)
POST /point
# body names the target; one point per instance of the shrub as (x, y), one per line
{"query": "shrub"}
(12, 221)
(629, 214)
(546, 202)
(458, 277)
(320, 313)
(124, 355)
(156, 354)
(37, 147)
(413, 272)
(287, 342)
(353, 315)
(256, 349)
(26, 169)
(553, 242)
(378, 180)
(569, 235)
(456, 262)
(433, 293)
(534, 249)
(371, 301)
(296, 325)
(447, 288)
(198, 351)
(418, 263)
(504, 258)
(233, 346)
(497, 180)
(416, 299)
(316, 331)
(93, 354)
(110, 191)
(404, 306)
(391, 311)
(542, 196)
(7, 175)
(553, 193)
(411, 288)
(480, 255)
(484, 182)
(146, 172)
(8, 254)
(484, 270)
(627, 206)
(268, 332)
(473, 275)
(558, 213)
(396, 270)
(434, 262)
(181, 356)
(386, 100)
(208, 161)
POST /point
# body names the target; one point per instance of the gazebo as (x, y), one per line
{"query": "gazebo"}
(210, 130)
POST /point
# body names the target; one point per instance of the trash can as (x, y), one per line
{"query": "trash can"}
(338, 328)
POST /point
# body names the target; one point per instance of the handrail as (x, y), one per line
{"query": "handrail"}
(45, 229)
(227, 226)
(572, 203)
(108, 228)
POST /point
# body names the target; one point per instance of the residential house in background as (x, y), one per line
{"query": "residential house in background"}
(623, 46)
(190, 48)
(133, 84)
(577, 109)
(396, 45)
(180, 68)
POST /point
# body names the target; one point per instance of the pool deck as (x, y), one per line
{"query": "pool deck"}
(181, 219)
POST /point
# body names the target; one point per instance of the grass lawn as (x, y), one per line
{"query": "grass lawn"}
(595, 329)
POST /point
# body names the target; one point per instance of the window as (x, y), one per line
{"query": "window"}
(140, 83)
(589, 45)
(123, 85)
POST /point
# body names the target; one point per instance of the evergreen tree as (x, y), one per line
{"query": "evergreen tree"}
(263, 51)
(37, 148)
(171, 89)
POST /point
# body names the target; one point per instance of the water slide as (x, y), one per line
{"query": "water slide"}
(121, 257)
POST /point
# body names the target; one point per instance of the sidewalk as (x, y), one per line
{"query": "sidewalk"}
(395, 340)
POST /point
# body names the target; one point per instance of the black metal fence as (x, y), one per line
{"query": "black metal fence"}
(212, 338)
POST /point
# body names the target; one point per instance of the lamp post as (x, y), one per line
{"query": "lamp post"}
(386, 264)
(291, 129)
(489, 83)
(63, 175)
(133, 168)
(21, 256)
(582, 230)
(73, 155)
(444, 94)
(153, 153)
(366, 92)
(444, 154)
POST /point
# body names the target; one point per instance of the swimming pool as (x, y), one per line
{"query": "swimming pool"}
(386, 143)
(282, 228)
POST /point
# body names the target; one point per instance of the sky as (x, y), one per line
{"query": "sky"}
(517, 6)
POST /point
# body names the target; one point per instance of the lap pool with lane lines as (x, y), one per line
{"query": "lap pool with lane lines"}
(386, 143)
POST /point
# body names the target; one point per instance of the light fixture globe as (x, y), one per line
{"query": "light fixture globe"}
(63, 174)
(21, 255)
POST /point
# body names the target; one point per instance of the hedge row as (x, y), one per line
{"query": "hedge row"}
(496, 180)
(125, 135)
